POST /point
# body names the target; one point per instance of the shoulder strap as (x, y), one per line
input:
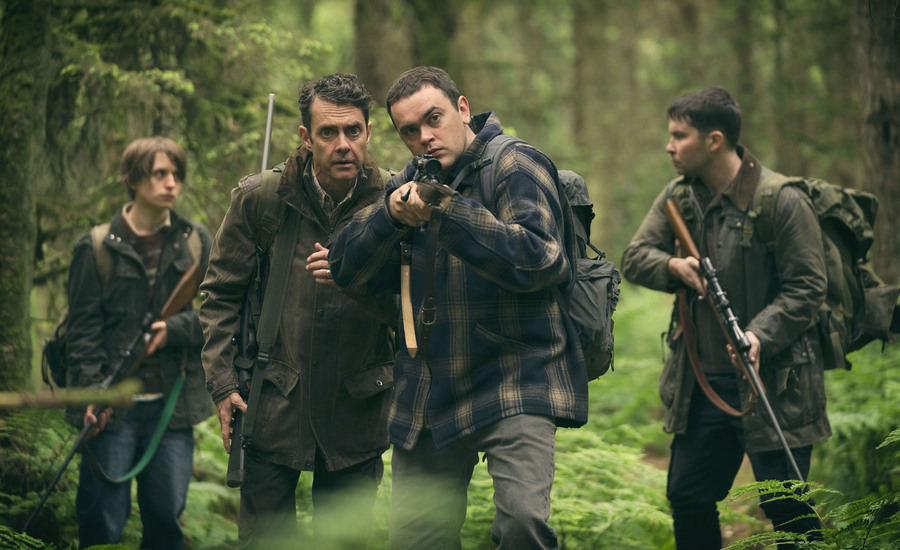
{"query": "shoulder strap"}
(270, 318)
(194, 245)
(386, 174)
(101, 255)
(492, 153)
(762, 210)
(270, 209)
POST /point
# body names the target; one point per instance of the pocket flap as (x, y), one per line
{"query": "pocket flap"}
(283, 377)
(370, 381)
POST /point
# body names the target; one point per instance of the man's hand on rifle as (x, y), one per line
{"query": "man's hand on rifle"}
(687, 270)
(225, 411)
(317, 264)
(753, 353)
(97, 419)
(159, 337)
(407, 206)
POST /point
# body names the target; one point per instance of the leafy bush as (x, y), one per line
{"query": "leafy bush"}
(871, 522)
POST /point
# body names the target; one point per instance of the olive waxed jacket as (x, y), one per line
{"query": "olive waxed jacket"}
(104, 318)
(775, 294)
(327, 383)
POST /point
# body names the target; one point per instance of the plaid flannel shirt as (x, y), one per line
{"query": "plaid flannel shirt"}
(500, 344)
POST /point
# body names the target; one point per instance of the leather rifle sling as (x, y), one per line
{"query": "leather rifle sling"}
(687, 332)
(428, 309)
(409, 322)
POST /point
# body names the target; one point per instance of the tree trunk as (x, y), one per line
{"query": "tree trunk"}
(24, 31)
(382, 26)
(434, 31)
(878, 51)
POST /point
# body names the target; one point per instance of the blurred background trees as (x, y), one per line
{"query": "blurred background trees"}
(587, 81)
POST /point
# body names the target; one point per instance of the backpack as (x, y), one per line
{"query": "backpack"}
(595, 291)
(858, 306)
(53, 355)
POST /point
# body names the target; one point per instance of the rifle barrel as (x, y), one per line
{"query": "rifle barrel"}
(267, 139)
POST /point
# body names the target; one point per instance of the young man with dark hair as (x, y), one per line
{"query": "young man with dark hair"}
(146, 250)
(775, 293)
(324, 395)
(502, 368)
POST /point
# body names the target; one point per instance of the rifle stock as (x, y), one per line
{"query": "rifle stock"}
(182, 294)
(727, 320)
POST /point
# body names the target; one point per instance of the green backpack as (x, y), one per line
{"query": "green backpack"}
(859, 307)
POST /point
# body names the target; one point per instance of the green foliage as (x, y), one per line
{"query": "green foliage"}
(863, 406)
(33, 445)
(13, 540)
(871, 522)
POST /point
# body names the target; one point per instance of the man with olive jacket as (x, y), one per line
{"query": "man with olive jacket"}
(324, 394)
(775, 289)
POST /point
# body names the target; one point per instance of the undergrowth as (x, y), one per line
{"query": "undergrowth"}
(609, 490)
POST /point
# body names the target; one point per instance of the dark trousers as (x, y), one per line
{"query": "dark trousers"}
(343, 505)
(704, 463)
(104, 508)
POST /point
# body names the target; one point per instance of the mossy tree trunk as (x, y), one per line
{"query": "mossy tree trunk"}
(24, 80)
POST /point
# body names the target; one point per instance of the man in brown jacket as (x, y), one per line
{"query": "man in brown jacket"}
(323, 402)
(774, 291)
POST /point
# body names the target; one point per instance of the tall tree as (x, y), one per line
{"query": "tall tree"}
(382, 26)
(878, 54)
(24, 32)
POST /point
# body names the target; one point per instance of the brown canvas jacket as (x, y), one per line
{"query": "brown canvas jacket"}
(331, 365)
(775, 294)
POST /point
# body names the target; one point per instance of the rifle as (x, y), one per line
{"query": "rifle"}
(728, 321)
(130, 356)
(247, 344)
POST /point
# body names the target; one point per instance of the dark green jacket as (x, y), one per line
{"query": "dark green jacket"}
(104, 318)
(775, 294)
(328, 381)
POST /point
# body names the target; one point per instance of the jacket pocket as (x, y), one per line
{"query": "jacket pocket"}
(670, 379)
(796, 386)
(371, 381)
(282, 377)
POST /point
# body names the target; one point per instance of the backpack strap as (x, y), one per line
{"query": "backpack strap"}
(493, 151)
(194, 245)
(387, 174)
(761, 216)
(270, 213)
(270, 209)
(270, 317)
(101, 255)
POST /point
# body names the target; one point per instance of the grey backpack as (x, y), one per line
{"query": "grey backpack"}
(593, 297)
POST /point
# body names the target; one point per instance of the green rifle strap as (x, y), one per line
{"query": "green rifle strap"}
(270, 317)
(161, 427)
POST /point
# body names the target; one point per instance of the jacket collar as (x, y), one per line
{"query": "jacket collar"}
(486, 127)
(741, 189)
(296, 186)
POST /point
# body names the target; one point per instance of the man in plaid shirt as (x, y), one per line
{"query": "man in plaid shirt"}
(502, 368)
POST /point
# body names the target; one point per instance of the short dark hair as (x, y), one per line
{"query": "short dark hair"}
(707, 110)
(415, 79)
(337, 88)
(137, 160)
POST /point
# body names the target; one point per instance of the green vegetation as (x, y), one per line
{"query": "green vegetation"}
(610, 480)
